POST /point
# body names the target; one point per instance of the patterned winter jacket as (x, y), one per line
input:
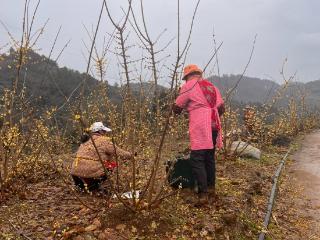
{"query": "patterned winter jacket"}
(87, 164)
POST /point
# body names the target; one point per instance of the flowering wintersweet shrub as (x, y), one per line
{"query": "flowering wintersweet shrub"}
(23, 152)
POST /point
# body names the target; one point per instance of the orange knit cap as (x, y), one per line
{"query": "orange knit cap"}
(192, 68)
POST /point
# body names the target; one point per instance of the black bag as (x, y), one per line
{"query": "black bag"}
(180, 173)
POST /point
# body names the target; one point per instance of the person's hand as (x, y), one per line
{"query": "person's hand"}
(176, 109)
(221, 109)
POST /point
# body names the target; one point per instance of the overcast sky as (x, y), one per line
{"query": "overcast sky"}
(285, 29)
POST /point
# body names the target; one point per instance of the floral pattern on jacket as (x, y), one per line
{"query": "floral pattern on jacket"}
(87, 163)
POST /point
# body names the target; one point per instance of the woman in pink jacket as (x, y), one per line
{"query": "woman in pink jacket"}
(204, 104)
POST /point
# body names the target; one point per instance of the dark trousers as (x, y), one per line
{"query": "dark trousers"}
(204, 167)
(89, 184)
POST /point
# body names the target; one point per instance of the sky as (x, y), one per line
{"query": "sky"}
(285, 29)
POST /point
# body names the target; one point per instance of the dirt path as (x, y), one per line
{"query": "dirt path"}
(306, 171)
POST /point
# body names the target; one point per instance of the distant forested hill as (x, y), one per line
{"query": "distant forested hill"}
(44, 78)
(255, 90)
(49, 85)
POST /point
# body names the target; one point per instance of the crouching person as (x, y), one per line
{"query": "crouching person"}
(87, 170)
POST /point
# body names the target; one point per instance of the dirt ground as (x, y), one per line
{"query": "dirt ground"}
(296, 212)
(48, 209)
(306, 173)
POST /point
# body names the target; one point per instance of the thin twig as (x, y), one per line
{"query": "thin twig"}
(228, 94)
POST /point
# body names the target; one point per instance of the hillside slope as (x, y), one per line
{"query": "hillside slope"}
(43, 77)
(255, 90)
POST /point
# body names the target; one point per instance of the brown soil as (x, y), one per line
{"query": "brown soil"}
(47, 208)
